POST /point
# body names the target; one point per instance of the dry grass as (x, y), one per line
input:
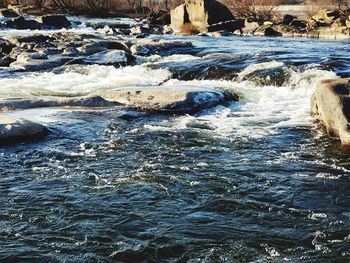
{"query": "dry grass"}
(189, 29)
(314, 6)
(253, 9)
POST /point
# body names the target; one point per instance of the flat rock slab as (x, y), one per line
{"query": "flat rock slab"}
(331, 104)
(15, 131)
(169, 99)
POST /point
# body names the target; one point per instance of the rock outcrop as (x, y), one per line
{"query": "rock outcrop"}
(15, 131)
(200, 14)
(331, 104)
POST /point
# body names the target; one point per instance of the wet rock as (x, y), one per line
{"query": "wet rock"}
(5, 61)
(114, 57)
(35, 38)
(272, 32)
(147, 47)
(38, 62)
(222, 33)
(70, 51)
(160, 18)
(103, 45)
(167, 29)
(101, 25)
(276, 76)
(26, 56)
(21, 23)
(28, 103)
(137, 30)
(200, 124)
(331, 104)
(229, 26)
(287, 19)
(168, 99)
(8, 13)
(15, 131)
(298, 24)
(140, 50)
(54, 21)
(5, 47)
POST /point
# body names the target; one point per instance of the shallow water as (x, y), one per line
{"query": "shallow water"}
(253, 181)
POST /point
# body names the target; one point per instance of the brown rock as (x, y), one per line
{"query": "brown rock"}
(331, 104)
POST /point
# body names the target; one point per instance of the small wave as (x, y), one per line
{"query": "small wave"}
(262, 110)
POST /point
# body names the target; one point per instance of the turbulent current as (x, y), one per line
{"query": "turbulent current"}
(257, 180)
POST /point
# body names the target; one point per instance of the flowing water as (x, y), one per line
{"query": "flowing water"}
(256, 180)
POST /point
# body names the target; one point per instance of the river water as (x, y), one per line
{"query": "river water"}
(256, 180)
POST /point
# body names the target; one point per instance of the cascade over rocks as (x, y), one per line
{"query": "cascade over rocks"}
(331, 104)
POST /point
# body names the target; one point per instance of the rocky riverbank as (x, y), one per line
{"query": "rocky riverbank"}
(206, 16)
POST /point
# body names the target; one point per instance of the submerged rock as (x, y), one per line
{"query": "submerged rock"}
(331, 104)
(41, 102)
(169, 99)
(15, 131)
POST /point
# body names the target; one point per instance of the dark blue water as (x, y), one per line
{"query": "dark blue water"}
(257, 180)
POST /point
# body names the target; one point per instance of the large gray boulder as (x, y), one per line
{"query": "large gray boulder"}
(20, 130)
(168, 99)
(200, 14)
(331, 104)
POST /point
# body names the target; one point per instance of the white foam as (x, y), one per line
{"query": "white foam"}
(81, 80)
